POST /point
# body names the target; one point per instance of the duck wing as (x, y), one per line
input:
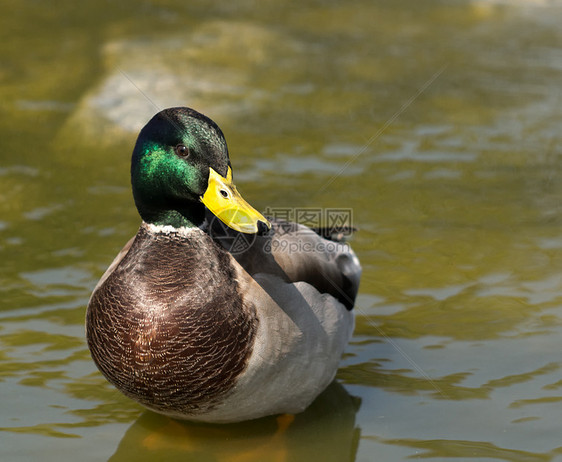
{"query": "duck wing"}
(297, 253)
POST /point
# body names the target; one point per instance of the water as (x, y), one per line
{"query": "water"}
(438, 123)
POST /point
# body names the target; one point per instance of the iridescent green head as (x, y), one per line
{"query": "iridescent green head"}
(180, 165)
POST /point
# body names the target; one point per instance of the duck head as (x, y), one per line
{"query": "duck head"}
(180, 167)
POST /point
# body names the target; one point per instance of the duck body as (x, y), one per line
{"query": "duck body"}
(189, 328)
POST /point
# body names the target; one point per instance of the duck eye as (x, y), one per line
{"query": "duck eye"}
(181, 150)
(224, 193)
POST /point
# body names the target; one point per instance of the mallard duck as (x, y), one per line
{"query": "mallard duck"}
(190, 328)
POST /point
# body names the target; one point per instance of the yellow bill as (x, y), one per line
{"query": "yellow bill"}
(226, 203)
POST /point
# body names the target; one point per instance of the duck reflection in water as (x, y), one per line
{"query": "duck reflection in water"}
(325, 431)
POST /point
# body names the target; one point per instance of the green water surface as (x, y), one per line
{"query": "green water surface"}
(437, 123)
